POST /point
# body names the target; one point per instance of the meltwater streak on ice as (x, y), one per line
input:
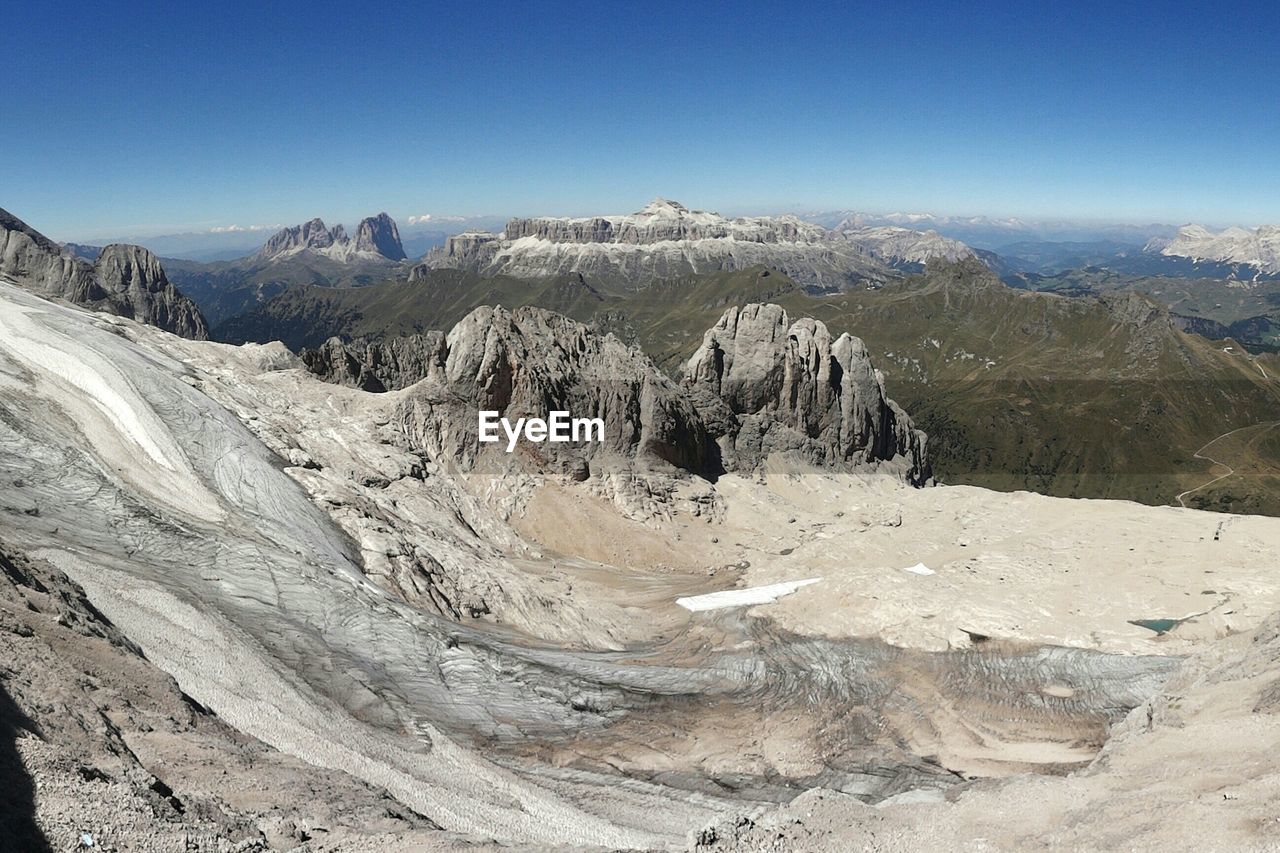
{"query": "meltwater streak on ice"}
(118, 415)
(76, 365)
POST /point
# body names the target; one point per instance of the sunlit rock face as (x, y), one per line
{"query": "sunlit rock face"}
(663, 240)
(771, 385)
(124, 280)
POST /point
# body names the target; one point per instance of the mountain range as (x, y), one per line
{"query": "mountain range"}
(309, 253)
(277, 287)
(377, 238)
(666, 239)
(1259, 248)
(255, 599)
(993, 233)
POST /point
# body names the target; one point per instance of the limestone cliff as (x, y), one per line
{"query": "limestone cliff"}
(124, 280)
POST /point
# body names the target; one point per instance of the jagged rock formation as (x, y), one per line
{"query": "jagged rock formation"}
(379, 234)
(377, 238)
(378, 365)
(1258, 248)
(309, 235)
(663, 240)
(530, 362)
(770, 385)
(124, 280)
(759, 385)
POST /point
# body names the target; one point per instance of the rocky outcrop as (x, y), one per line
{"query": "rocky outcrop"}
(124, 280)
(530, 362)
(768, 385)
(42, 266)
(759, 385)
(377, 238)
(380, 235)
(663, 240)
(470, 250)
(378, 365)
(134, 276)
(309, 235)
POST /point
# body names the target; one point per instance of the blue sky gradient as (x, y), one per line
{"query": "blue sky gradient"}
(148, 118)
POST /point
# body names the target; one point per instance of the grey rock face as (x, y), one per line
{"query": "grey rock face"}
(466, 251)
(124, 280)
(760, 384)
(378, 365)
(663, 240)
(380, 234)
(376, 237)
(42, 266)
(768, 385)
(308, 235)
(134, 275)
(531, 362)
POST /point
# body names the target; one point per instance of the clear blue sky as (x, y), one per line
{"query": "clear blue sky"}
(129, 118)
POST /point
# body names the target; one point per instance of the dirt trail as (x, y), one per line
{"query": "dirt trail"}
(1199, 454)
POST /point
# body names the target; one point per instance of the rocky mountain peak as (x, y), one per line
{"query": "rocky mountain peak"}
(661, 206)
(380, 234)
(313, 234)
(766, 384)
(376, 237)
(761, 384)
(131, 268)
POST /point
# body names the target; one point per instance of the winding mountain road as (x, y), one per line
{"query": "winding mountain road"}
(1199, 454)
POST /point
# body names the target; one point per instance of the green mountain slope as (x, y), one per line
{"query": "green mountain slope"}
(225, 289)
(1082, 397)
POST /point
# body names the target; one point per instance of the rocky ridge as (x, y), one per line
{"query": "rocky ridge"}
(376, 238)
(760, 385)
(905, 246)
(125, 280)
(666, 239)
(1259, 247)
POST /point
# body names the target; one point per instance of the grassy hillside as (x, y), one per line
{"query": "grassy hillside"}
(1081, 397)
(306, 316)
(1248, 311)
(225, 289)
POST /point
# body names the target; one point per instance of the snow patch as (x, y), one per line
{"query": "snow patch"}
(742, 597)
